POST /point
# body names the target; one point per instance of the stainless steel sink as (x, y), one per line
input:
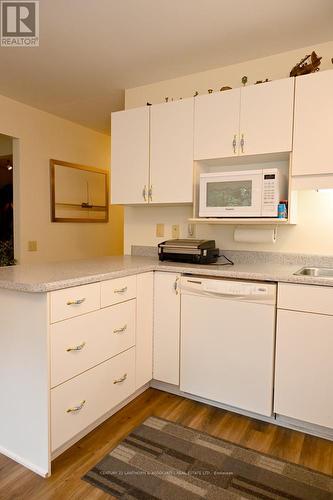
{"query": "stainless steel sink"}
(316, 272)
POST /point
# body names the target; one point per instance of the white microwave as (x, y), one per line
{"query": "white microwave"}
(247, 193)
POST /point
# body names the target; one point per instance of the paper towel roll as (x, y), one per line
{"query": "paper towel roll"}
(243, 235)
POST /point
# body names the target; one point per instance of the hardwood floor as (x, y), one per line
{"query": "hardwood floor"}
(16, 482)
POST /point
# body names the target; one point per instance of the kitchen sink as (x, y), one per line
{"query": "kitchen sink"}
(316, 272)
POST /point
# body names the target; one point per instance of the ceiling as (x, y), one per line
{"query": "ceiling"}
(90, 51)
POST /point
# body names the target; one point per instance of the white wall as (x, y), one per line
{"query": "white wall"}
(314, 231)
(40, 137)
(6, 145)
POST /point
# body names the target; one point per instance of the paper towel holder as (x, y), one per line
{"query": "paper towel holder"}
(255, 235)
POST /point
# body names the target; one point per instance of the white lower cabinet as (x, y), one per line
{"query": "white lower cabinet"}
(82, 342)
(144, 329)
(304, 367)
(166, 327)
(84, 399)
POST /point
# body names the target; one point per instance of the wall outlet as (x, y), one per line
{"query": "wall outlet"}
(160, 230)
(175, 231)
(32, 246)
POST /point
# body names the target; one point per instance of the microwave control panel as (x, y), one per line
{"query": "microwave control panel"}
(270, 192)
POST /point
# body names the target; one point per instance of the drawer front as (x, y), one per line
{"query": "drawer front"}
(118, 290)
(306, 298)
(82, 400)
(74, 301)
(80, 343)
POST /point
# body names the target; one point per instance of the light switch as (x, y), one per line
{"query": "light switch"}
(175, 231)
(160, 230)
(32, 246)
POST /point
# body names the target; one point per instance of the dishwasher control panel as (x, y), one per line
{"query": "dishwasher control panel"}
(229, 289)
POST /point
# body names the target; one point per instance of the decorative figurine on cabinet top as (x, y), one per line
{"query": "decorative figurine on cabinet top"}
(244, 80)
(304, 67)
(210, 91)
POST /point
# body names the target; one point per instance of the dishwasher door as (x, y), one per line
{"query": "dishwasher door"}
(227, 342)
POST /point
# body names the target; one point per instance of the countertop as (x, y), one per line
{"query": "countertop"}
(50, 276)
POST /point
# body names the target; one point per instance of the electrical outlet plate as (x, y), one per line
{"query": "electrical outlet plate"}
(32, 246)
(175, 231)
(160, 230)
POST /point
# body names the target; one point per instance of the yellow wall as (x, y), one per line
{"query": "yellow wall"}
(42, 136)
(314, 231)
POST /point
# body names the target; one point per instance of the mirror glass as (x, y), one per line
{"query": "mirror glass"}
(78, 193)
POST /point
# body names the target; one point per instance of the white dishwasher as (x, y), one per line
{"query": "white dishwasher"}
(227, 341)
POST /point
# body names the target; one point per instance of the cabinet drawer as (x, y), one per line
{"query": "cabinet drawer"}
(307, 298)
(80, 343)
(118, 290)
(95, 392)
(74, 301)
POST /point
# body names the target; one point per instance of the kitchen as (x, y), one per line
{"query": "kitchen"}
(216, 320)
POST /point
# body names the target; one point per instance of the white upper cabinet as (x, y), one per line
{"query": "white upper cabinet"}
(216, 127)
(313, 124)
(171, 152)
(257, 119)
(130, 156)
(266, 117)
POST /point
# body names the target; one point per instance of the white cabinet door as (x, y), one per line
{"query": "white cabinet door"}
(313, 124)
(171, 152)
(266, 117)
(166, 327)
(130, 156)
(216, 125)
(304, 368)
(144, 329)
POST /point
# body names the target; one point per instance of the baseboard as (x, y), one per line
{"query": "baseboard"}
(299, 425)
(98, 422)
(41, 472)
(280, 420)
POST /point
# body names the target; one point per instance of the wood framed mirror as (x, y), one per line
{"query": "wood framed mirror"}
(78, 193)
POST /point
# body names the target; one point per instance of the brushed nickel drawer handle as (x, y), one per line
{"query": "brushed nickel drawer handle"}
(76, 408)
(120, 290)
(122, 379)
(76, 348)
(242, 142)
(234, 144)
(76, 302)
(120, 330)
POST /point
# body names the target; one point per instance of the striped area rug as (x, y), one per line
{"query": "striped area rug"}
(167, 461)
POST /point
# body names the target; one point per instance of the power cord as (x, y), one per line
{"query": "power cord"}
(228, 263)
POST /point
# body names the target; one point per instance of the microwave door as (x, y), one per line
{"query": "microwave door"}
(232, 196)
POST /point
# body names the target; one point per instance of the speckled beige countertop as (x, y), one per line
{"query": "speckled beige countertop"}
(50, 276)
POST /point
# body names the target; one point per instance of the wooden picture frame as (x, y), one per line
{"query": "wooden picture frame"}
(79, 194)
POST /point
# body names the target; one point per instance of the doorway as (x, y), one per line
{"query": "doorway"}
(6, 201)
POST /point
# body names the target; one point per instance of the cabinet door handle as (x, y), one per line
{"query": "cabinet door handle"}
(121, 379)
(242, 142)
(120, 290)
(76, 302)
(76, 408)
(234, 144)
(176, 287)
(150, 193)
(120, 330)
(76, 348)
(144, 193)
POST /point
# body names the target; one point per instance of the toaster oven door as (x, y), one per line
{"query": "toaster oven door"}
(237, 194)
